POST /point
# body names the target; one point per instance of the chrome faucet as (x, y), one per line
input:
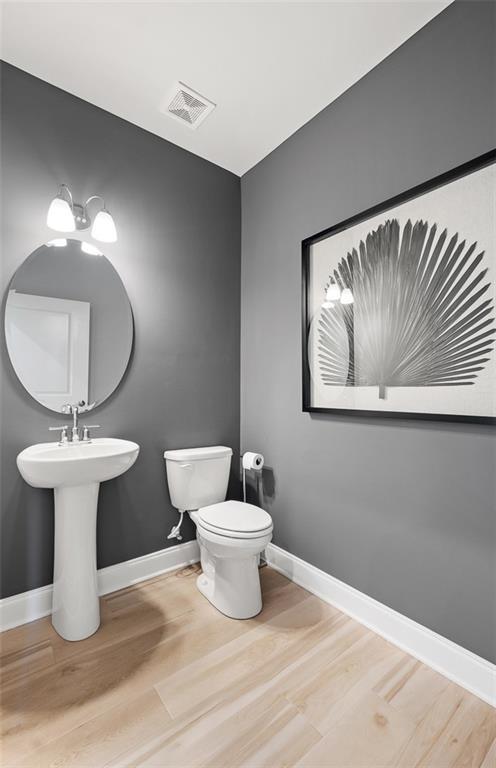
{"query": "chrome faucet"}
(74, 411)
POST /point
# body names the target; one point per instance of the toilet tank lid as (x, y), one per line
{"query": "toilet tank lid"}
(198, 454)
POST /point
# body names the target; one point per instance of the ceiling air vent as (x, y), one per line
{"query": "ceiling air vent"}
(188, 106)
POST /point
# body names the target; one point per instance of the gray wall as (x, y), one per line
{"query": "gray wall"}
(178, 254)
(404, 511)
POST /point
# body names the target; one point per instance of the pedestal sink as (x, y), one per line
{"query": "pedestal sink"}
(75, 471)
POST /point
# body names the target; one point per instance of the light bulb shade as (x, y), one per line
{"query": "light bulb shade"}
(333, 292)
(60, 216)
(103, 228)
(347, 296)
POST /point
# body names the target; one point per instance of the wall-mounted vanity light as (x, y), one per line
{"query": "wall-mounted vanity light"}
(64, 215)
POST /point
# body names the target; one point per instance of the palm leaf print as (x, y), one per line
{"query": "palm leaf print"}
(421, 315)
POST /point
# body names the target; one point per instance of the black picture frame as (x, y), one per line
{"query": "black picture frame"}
(445, 178)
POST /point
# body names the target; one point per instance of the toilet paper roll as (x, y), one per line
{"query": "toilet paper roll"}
(252, 460)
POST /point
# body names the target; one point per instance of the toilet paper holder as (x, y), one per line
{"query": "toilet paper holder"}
(251, 461)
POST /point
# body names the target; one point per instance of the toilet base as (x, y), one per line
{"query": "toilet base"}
(230, 578)
(227, 600)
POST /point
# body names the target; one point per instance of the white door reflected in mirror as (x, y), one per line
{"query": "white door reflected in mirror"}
(48, 340)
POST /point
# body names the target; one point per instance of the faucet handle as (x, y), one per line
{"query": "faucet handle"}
(63, 433)
(86, 432)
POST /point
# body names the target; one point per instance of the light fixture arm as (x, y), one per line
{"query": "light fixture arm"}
(65, 188)
(95, 197)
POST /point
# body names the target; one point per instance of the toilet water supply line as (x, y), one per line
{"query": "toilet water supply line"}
(175, 532)
(250, 461)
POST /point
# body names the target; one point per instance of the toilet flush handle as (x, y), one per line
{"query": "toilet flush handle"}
(186, 466)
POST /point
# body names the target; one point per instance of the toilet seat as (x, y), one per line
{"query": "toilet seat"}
(234, 519)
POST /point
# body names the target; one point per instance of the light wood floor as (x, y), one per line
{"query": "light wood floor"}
(169, 681)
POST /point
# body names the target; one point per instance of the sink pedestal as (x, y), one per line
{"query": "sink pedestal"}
(75, 608)
(75, 471)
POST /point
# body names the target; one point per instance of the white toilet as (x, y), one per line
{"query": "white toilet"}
(231, 534)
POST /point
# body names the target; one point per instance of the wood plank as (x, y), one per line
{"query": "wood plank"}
(331, 689)
(432, 726)
(226, 734)
(279, 738)
(207, 678)
(26, 661)
(370, 735)
(490, 758)
(460, 731)
(104, 737)
(413, 689)
(39, 631)
(478, 744)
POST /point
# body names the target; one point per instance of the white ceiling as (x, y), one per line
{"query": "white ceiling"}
(270, 67)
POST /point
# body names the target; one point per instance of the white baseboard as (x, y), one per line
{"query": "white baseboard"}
(32, 605)
(454, 662)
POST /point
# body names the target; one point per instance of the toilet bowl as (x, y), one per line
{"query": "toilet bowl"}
(231, 534)
(229, 556)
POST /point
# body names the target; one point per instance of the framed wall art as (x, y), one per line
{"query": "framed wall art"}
(399, 304)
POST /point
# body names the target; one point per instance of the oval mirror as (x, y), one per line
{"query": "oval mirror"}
(68, 325)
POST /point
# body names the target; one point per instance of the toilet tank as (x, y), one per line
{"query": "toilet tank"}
(197, 476)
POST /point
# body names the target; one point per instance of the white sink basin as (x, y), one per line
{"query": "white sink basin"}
(49, 465)
(75, 473)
